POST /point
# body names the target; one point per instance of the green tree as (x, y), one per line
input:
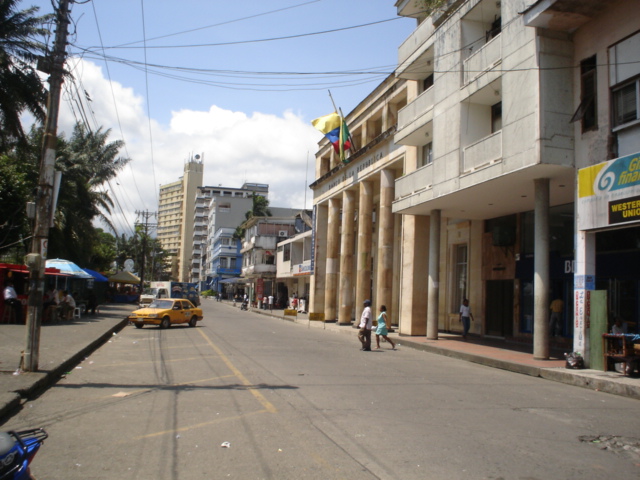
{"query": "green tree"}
(20, 86)
(87, 161)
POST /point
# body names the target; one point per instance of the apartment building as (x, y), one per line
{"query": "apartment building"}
(258, 249)
(293, 260)
(357, 239)
(506, 101)
(218, 208)
(175, 204)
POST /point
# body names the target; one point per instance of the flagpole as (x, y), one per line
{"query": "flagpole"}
(306, 177)
(335, 109)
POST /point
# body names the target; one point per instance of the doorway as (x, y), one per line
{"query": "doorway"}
(499, 308)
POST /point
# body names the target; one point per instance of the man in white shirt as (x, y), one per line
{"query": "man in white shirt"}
(366, 324)
(11, 301)
(271, 302)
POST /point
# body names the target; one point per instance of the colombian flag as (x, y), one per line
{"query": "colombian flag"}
(335, 129)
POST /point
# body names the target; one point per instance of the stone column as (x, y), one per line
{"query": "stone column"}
(346, 257)
(384, 278)
(332, 266)
(541, 271)
(365, 229)
(316, 292)
(413, 286)
(434, 275)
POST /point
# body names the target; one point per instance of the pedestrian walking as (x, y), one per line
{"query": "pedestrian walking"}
(465, 316)
(381, 330)
(366, 322)
(271, 303)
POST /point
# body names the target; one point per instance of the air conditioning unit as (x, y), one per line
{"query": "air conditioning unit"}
(283, 233)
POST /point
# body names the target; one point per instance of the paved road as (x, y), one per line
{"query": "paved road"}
(295, 402)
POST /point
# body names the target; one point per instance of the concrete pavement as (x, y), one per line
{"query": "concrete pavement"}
(492, 353)
(63, 346)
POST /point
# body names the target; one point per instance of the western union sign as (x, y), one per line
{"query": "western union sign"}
(609, 193)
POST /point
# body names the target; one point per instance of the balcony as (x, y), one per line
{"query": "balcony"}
(414, 182)
(414, 118)
(416, 50)
(483, 152)
(259, 269)
(487, 57)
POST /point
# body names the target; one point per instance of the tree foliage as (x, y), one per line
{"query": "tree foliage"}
(21, 88)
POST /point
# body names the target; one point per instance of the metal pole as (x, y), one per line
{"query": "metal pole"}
(44, 193)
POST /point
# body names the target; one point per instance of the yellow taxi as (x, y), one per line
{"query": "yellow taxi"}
(166, 312)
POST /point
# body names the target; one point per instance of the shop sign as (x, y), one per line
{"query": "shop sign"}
(609, 193)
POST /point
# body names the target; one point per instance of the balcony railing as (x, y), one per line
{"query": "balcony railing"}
(418, 107)
(414, 182)
(482, 60)
(483, 152)
(415, 40)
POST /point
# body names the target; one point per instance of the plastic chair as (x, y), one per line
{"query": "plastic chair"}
(77, 313)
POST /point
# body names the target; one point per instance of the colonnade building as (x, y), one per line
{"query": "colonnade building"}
(462, 183)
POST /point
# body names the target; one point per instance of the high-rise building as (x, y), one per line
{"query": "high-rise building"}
(175, 200)
(216, 208)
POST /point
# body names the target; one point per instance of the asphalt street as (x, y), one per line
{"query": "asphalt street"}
(250, 396)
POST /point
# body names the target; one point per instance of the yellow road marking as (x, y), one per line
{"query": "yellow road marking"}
(265, 403)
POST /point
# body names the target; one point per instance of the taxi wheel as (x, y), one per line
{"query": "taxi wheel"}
(139, 325)
(166, 322)
(193, 321)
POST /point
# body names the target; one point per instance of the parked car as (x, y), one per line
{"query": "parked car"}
(167, 312)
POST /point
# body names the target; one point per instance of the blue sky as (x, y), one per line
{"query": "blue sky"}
(222, 81)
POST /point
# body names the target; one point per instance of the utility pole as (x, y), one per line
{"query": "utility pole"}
(36, 260)
(145, 215)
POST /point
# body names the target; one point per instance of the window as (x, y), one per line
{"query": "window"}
(625, 104)
(496, 117)
(587, 110)
(494, 31)
(286, 252)
(427, 154)
(224, 262)
(427, 83)
(460, 286)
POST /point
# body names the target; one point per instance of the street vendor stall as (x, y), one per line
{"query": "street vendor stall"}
(125, 294)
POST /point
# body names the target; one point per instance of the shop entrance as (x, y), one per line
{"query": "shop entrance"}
(499, 308)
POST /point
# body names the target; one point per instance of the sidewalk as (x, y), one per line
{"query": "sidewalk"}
(492, 353)
(62, 347)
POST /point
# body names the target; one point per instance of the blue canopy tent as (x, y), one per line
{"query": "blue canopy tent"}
(100, 286)
(76, 280)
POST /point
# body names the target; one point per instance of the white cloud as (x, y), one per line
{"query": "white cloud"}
(236, 146)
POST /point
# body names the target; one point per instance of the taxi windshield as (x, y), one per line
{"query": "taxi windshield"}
(163, 304)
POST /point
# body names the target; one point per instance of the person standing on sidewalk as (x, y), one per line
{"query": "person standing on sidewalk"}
(382, 330)
(466, 317)
(366, 322)
(12, 301)
(556, 317)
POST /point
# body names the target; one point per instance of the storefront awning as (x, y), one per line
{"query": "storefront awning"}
(234, 280)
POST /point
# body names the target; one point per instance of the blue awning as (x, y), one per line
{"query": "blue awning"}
(98, 276)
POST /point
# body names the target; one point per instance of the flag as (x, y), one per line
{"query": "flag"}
(335, 129)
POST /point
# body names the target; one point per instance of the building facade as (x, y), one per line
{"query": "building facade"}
(357, 238)
(602, 41)
(259, 248)
(220, 208)
(507, 101)
(293, 262)
(176, 202)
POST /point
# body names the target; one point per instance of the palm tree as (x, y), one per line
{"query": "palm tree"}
(20, 86)
(87, 161)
